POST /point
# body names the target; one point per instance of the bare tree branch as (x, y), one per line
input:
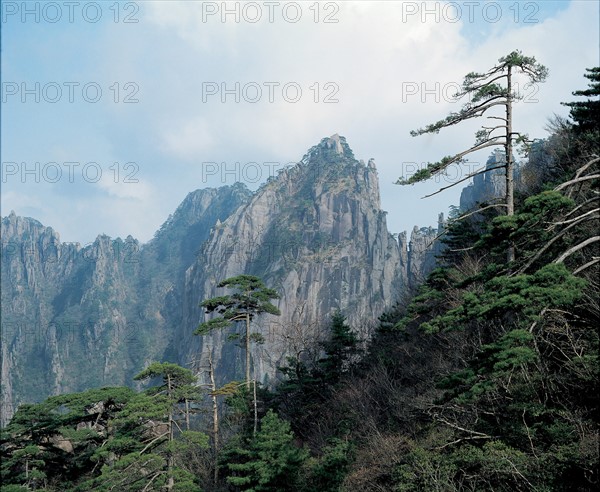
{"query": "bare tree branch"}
(156, 475)
(576, 218)
(454, 426)
(549, 243)
(586, 166)
(591, 200)
(586, 265)
(469, 438)
(488, 82)
(482, 171)
(478, 210)
(576, 180)
(576, 248)
(153, 441)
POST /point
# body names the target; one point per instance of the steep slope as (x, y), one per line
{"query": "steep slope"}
(59, 300)
(317, 235)
(491, 185)
(75, 318)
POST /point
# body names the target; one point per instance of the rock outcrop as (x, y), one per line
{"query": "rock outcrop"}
(317, 235)
(487, 186)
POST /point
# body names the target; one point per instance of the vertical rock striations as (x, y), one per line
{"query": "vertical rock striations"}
(79, 317)
(317, 235)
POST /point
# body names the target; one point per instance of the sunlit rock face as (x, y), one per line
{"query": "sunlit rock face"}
(78, 317)
(317, 235)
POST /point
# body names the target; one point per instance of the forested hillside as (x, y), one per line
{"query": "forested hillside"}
(485, 379)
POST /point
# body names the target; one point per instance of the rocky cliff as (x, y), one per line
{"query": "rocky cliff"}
(77, 317)
(491, 186)
(317, 235)
(486, 186)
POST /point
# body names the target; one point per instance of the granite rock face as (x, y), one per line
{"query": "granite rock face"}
(424, 247)
(487, 186)
(317, 235)
(78, 317)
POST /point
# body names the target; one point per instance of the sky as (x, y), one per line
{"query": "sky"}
(112, 112)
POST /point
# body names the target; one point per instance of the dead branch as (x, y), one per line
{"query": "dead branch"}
(576, 218)
(153, 441)
(457, 427)
(576, 248)
(576, 180)
(586, 166)
(549, 243)
(481, 171)
(586, 265)
(470, 438)
(593, 199)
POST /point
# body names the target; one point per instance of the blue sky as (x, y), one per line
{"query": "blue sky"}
(120, 161)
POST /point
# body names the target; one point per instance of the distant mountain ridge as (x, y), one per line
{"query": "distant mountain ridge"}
(78, 317)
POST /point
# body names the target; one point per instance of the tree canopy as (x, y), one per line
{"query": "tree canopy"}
(251, 298)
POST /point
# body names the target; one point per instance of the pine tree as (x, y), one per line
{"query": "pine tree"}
(267, 463)
(32, 447)
(486, 93)
(340, 350)
(149, 435)
(251, 299)
(586, 114)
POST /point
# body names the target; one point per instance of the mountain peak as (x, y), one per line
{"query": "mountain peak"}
(330, 149)
(334, 142)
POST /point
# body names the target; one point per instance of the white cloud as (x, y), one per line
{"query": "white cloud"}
(188, 139)
(123, 182)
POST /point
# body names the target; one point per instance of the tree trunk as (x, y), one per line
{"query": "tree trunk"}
(510, 204)
(248, 351)
(213, 387)
(255, 410)
(187, 414)
(170, 482)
